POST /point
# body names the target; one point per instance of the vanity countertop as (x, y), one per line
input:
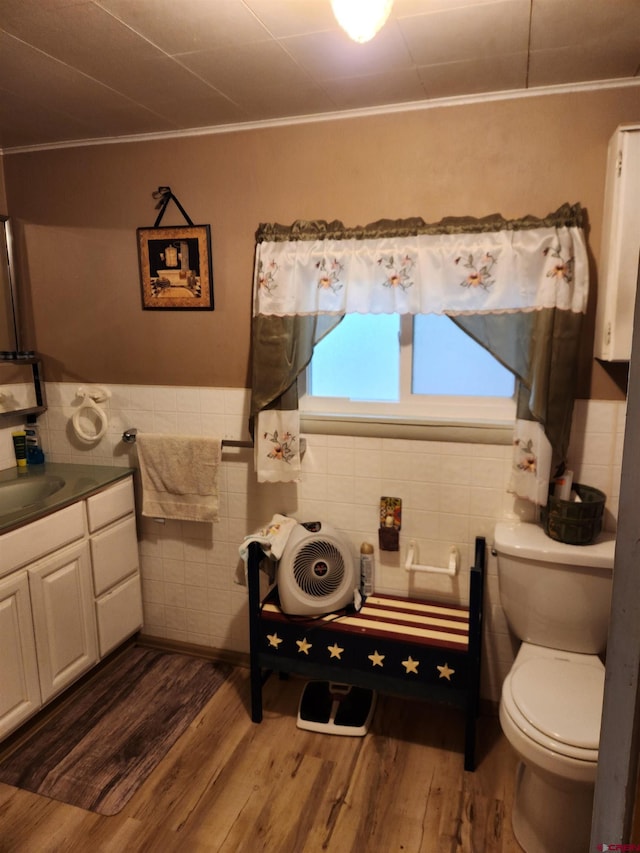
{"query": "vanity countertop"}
(80, 481)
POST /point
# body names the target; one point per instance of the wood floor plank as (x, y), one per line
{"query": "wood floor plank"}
(120, 834)
(229, 785)
(477, 828)
(263, 775)
(282, 819)
(174, 790)
(387, 795)
(36, 823)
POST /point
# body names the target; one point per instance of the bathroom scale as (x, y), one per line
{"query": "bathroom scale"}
(338, 709)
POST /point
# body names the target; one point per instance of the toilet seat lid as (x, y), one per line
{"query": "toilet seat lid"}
(561, 698)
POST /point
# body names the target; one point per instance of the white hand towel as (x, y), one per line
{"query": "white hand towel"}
(531, 462)
(277, 446)
(179, 476)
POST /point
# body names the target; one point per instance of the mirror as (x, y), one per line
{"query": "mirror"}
(8, 304)
(21, 384)
(21, 387)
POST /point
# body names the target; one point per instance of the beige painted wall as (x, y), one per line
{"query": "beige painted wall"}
(81, 207)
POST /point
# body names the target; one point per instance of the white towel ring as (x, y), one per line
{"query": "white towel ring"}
(89, 404)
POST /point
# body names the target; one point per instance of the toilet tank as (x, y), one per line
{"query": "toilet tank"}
(555, 595)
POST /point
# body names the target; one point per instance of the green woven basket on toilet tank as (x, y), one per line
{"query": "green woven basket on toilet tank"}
(576, 523)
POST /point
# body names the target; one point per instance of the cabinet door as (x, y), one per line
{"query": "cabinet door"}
(63, 617)
(19, 688)
(618, 272)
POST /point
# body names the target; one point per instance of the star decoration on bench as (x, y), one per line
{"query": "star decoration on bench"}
(376, 659)
(411, 665)
(274, 640)
(303, 645)
(445, 671)
(335, 651)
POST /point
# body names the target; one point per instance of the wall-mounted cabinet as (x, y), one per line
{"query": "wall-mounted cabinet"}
(618, 270)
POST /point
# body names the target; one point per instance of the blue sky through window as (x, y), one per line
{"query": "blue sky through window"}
(447, 361)
(360, 360)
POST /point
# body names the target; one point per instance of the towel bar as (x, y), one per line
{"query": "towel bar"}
(129, 437)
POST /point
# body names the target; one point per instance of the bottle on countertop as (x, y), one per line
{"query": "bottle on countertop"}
(563, 486)
(35, 453)
(366, 569)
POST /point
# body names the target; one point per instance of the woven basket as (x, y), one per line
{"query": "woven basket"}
(572, 522)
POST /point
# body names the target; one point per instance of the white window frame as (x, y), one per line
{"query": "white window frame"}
(427, 417)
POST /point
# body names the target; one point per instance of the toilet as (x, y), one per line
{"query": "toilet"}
(556, 598)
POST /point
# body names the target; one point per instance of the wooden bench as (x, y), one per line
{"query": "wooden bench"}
(404, 646)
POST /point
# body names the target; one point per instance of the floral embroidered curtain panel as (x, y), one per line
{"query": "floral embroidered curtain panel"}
(518, 287)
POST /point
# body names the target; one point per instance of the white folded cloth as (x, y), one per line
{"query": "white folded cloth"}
(179, 476)
(272, 539)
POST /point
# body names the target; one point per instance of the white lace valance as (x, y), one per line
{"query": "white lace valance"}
(496, 272)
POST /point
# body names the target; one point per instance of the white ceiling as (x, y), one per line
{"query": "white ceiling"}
(92, 69)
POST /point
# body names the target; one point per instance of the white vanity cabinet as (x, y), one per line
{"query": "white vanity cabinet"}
(618, 270)
(19, 683)
(47, 622)
(69, 594)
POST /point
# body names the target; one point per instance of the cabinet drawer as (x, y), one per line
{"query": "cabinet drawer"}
(35, 540)
(119, 614)
(113, 503)
(114, 554)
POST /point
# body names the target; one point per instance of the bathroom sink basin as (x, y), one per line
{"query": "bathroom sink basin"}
(23, 493)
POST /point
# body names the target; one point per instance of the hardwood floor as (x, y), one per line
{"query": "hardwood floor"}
(229, 785)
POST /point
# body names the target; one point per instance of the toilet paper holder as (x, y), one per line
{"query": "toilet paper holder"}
(411, 563)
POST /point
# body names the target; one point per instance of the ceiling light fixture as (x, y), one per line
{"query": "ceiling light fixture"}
(361, 19)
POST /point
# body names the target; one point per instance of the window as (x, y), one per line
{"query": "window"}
(420, 368)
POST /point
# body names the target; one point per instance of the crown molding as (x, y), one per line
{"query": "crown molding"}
(389, 109)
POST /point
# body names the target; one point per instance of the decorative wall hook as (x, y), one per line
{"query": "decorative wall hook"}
(97, 393)
(164, 196)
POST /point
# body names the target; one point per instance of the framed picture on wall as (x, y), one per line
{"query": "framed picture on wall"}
(175, 267)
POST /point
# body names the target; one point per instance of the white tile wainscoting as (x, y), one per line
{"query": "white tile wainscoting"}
(451, 493)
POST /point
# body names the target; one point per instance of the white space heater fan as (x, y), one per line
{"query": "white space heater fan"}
(317, 572)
